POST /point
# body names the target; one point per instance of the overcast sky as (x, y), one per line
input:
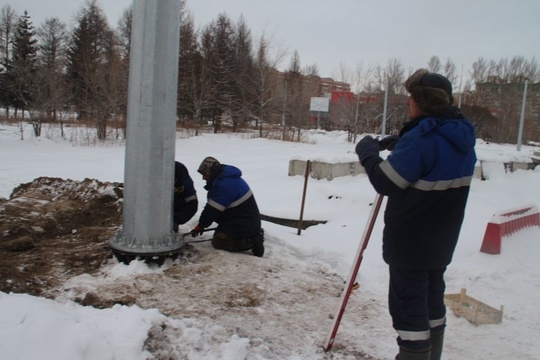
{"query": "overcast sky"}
(351, 32)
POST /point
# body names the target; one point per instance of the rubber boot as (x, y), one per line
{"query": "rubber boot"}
(437, 339)
(404, 354)
(257, 243)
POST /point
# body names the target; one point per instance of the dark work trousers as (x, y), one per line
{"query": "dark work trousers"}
(222, 241)
(416, 303)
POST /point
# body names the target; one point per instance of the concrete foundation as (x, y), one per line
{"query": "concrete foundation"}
(328, 171)
(489, 168)
(324, 170)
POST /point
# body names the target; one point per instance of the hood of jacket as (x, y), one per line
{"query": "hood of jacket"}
(229, 171)
(450, 124)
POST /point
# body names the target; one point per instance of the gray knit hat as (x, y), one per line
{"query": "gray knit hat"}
(431, 92)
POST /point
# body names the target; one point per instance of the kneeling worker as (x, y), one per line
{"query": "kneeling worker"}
(231, 204)
(184, 196)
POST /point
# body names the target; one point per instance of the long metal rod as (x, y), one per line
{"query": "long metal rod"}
(306, 177)
(189, 233)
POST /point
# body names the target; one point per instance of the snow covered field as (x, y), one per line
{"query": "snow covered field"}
(284, 300)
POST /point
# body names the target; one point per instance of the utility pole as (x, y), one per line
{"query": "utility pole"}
(284, 109)
(383, 127)
(356, 116)
(522, 117)
(460, 84)
(147, 229)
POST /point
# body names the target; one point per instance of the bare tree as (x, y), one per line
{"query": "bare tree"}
(360, 81)
(449, 71)
(531, 71)
(498, 91)
(391, 78)
(123, 36)
(123, 31)
(111, 85)
(434, 64)
(265, 81)
(311, 70)
(7, 28)
(344, 106)
(479, 74)
(479, 70)
(50, 90)
(296, 104)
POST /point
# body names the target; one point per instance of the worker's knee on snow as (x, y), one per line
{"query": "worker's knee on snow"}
(222, 241)
(243, 244)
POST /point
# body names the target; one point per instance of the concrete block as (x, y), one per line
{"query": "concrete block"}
(324, 170)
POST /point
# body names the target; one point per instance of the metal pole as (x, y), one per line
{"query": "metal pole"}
(284, 102)
(460, 83)
(151, 131)
(383, 127)
(522, 118)
(306, 176)
(284, 108)
(356, 116)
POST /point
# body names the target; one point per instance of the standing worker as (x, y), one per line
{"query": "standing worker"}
(426, 178)
(231, 204)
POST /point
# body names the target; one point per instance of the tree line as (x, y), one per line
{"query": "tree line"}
(226, 79)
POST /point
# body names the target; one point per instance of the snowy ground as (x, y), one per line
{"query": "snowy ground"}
(214, 305)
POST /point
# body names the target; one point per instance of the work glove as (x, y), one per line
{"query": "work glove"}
(197, 230)
(388, 142)
(366, 148)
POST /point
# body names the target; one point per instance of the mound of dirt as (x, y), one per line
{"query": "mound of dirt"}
(52, 229)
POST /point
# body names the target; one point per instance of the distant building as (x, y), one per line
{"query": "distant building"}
(504, 101)
(329, 85)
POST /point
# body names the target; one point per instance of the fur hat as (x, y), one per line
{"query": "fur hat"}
(430, 91)
(208, 166)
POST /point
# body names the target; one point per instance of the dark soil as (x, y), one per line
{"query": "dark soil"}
(52, 229)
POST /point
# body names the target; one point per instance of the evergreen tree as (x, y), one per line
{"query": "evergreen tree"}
(188, 74)
(23, 67)
(201, 88)
(222, 68)
(243, 106)
(88, 67)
